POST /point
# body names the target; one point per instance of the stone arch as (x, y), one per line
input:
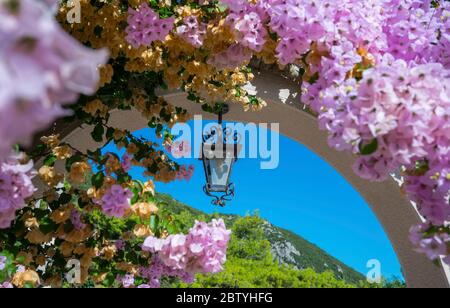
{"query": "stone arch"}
(393, 210)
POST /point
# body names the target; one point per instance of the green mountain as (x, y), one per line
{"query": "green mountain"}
(286, 247)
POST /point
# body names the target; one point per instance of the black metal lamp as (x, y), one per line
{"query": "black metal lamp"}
(220, 150)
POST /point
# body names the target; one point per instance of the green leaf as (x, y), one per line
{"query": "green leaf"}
(154, 222)
(97, 133)
(370, 148)
(135, 199)
(123, 178)
(172, 229)
(153, 122)
(46, 225)
(110, 133)
(50, 160)
(65, 198)
(98, 179)
(39, 150)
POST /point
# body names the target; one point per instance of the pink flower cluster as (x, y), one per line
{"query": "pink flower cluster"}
(76, 220)
(15, 187)
(126, 281)
(411, 30)
(126, 162)
(202, 250)
(116, 201)
(185, 173)
(179, 149)
(434, 246)
(235, 56)
(405, 108)
(145, 26)
(192, 31)
(41, 67)
(418, 31)
(404, 111)
(398, 114)
(158, 269)
(3, 260)
(6, 285)
(246, 21)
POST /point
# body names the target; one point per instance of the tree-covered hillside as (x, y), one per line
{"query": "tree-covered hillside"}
(263, 255)
(250, 264)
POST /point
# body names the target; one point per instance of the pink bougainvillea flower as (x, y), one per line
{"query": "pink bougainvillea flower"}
(192, 31)
(126, 162)
(41, 68)
(145, 26)
(202, 250)
(15, 187)
(116, 201)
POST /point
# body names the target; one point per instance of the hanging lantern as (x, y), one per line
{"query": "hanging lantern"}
(220, 150)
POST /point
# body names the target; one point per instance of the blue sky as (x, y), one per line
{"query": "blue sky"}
(303, 194)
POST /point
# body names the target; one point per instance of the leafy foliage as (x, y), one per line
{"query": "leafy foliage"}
(251, 263)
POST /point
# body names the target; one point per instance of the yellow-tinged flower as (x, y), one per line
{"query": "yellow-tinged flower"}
(30, 221)
(106, 74)
(144, 209)
(21, 279)
(78, 236)
(40, 260)
(239, 78)
(80, 249)
(51, 141)
(118, 134)
(108, 252)
(96, 108)
(127, 236)
(66, 248)
(142, 231)
(33, 250)
(54, 281)
(36, 236)
(112, 164)
(135, 3)
(86, 261)
(368, 59)
(268, 54)
(94, 193)
(63, 152)
(128, 267)
(49, 176)
(25, 257)
(91, 252)
(100, 277)
(50, 195)
(62, 214)
(78, 172)
(51, 252)
(132, 148)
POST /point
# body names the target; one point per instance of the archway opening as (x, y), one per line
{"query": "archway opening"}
(302, 193)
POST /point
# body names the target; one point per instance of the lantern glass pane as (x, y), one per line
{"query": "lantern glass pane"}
(219, 173)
